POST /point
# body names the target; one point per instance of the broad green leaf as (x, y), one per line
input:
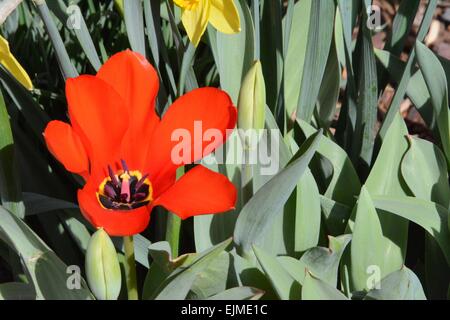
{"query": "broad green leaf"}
(432, 182)
(429, 215)
(238, 293)
(367, 244)
(37, 203)
(336, 215)
(212, 280)
(161, 267)
(272, 53)
(307, 213)
(10, 186)
(247, 272)
(436, 81)
(399, 285)
(366, 116)
(329, 89)
(296, 52)
(385, 179)
(320, 34)
(255, 218)
(321, 262)
(316, 289)
(344, 185)
(48, 274)
(134, 21)
(17, 291)
(180, 281)
(286, 287)
(235, 53)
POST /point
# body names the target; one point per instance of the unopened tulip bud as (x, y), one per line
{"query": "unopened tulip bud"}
(252, 100)
(102, 267)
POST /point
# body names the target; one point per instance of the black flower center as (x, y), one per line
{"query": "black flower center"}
(125, 189)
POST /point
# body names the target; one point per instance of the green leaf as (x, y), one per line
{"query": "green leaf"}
(367, 249)
(385, 179)
(406, 75)
(307, 213)
(25, 103)
(366, 116)
(344, 185)
(432, 183)
(72, 19)
(213, 279)
(436, 81)
(37, 203)
(316, 289)
(67, 68)
(296, 52)
(17, 291)
(401, 26)
(134, 21)
(10, 186)
(180, 281)
(257, 215)
(399, 285)
(336, 215)
(321, 262)
(284, 284)
(238, 293)
(235, 53)
(430, 216)
(320, 34)
(271, 54)
(329, 89)
(45, 270)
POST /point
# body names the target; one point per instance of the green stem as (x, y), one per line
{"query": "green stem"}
(130, 268)
(247, 178)
(173, 233)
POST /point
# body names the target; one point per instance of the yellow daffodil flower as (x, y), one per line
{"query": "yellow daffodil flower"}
(196, 14)
(12, 65)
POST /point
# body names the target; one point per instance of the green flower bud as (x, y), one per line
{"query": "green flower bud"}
(252, 99)
(102, 267)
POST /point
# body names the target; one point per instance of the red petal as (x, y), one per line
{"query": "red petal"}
(98, 115)
(199, 191)
(66, 146)
(115, 222)
(209, 108)
(136, 81)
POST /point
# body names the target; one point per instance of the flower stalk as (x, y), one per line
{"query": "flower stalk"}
(130, 268)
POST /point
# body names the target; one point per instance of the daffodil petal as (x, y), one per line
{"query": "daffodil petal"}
(224, 16)
(12, 65)
(195, 21)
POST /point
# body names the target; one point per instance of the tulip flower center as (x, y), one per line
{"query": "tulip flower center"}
(124, 190)
(187, 4)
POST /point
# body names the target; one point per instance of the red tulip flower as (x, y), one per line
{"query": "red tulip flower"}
(123, 150)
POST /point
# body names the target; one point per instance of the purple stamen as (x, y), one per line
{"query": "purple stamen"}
(124, 165)
(109, 191)
(139, 196)
(140, 182)
(113, 177)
